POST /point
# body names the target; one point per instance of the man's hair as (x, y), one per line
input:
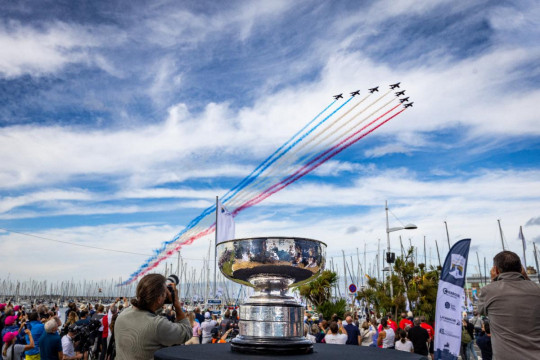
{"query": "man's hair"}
(349, 319)
(51, 326)
(33, 316)
(150, 288)
(422, 318)
(334, 327)
(416, 321)
(384, 322)
(84, 313)
(507, 261)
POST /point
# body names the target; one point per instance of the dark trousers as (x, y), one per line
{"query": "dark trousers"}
(103, 347)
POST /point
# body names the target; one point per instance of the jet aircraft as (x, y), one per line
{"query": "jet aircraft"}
(372, 90)
(408, 105)
(399, 93)
(357, 92)
(404, 99)
(396, 85)
(338, 96)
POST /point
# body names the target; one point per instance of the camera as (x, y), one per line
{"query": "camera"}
(172, 281)
(85, 335)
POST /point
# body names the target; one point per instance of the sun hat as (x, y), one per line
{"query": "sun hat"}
(10, 320)
(9, 336)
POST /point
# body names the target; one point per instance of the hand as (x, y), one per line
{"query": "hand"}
(524, 273)
(494, 273)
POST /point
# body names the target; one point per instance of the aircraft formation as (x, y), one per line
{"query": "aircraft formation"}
(376, 89)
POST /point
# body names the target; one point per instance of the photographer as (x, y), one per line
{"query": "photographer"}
(68, 347)
(139, 332)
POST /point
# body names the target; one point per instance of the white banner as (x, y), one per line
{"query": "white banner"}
(448, 319)
(450, 302)
(225, 224)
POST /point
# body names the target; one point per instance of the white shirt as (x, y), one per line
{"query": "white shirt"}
(67, 346)
(206, 328)
(408, 346)
(389, 340)
(340, 339)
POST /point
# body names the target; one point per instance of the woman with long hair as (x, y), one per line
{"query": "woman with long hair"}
(196, 330)
(366, 333)
(71, 320)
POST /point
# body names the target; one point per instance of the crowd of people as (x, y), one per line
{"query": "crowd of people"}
(155, 318)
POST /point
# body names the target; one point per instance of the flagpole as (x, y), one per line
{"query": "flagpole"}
(536, 260)
(447, 235)
(500, 231)
(215, 247)
(524, 247)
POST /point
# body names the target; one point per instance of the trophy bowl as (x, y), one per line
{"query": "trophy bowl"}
(271, 321)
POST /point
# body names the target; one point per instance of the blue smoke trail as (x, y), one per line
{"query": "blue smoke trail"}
(247, 178)
(249, 181)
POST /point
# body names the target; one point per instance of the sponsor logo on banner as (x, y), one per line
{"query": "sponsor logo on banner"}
(449, 320)
(451, 293)
(450, 334)
(457, 266)
(449, 306)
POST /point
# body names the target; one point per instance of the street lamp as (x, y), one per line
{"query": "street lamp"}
(390, 256)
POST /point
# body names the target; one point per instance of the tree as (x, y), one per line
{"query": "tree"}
(318, 291)
(413, 285)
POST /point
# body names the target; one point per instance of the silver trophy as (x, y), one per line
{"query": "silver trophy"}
(271, 321)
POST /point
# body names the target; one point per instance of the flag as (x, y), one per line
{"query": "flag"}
(450, 295)
(224, 223)
(524, 243)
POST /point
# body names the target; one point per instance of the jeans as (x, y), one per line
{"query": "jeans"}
(470, 350)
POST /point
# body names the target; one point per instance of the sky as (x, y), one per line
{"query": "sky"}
(121, 121)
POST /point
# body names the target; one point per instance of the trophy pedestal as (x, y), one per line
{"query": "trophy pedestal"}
(271, 329)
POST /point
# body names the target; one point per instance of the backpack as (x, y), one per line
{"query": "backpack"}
(465, 336)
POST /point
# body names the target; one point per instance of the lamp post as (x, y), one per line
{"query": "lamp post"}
(390, 257)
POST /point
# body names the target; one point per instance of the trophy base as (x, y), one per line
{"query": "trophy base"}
(270, 346)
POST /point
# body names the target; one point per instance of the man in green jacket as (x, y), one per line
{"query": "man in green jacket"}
(139, 332)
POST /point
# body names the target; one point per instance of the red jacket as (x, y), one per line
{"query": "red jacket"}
(105, 322)
(404, 322)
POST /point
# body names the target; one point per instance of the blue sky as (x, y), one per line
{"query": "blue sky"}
(121, 121)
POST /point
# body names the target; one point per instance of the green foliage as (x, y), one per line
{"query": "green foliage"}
(329, 308)
(413, 284)
(318, 291)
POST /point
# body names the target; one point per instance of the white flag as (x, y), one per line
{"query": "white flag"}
(225, 224)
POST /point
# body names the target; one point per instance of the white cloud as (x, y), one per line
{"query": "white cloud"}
(43, 51)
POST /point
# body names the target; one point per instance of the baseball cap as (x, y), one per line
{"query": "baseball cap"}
(10, 336)
(207, 315)
(10, 320)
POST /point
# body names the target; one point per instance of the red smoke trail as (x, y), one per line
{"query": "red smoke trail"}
(310, 166)
(307, 168)
(170, 252)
